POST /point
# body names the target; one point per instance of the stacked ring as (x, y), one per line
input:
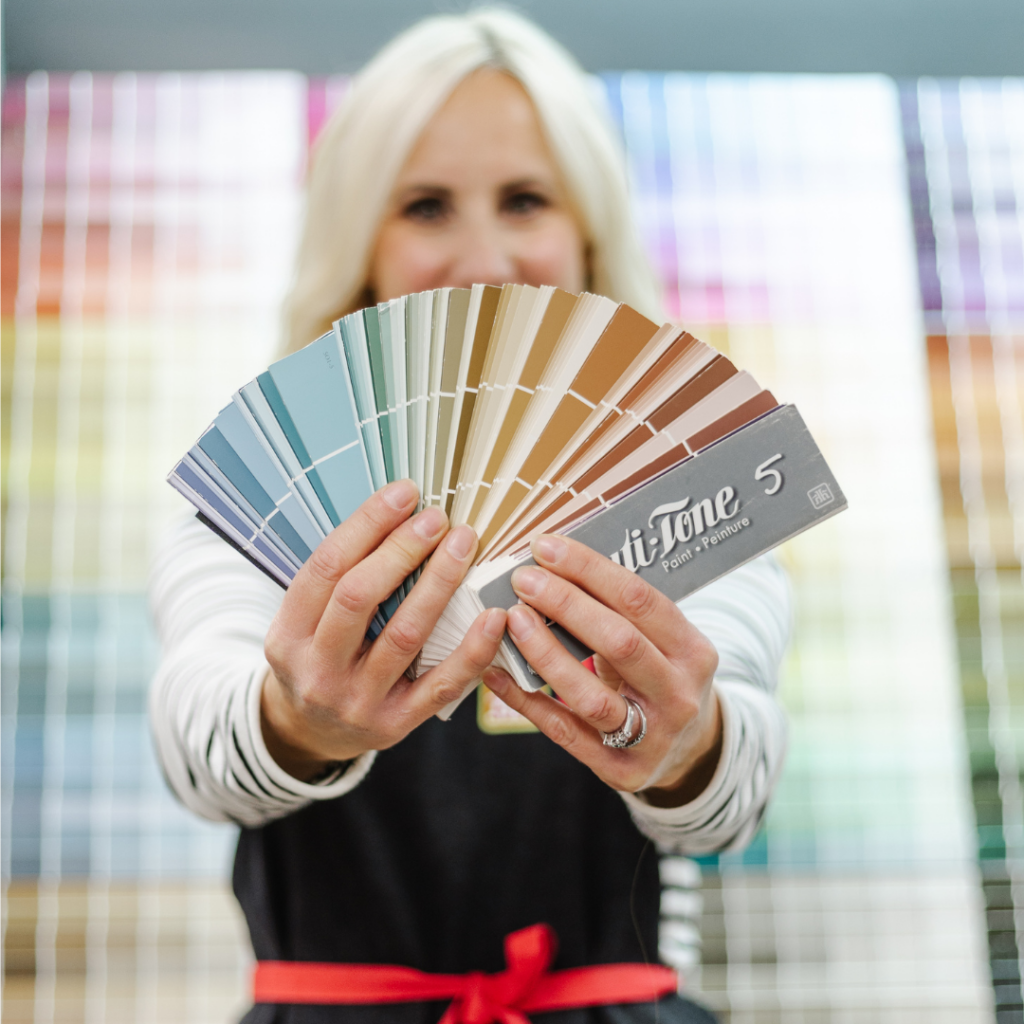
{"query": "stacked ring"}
(623, 737)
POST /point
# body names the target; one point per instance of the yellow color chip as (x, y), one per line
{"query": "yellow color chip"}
(495, 717)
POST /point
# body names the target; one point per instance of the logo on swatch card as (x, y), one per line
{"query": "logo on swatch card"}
(683, 529)
(821, 496)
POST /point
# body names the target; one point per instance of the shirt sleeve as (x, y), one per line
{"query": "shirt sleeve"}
(212, 611)
(747, 616)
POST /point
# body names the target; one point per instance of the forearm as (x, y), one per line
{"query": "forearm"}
(723, 799)
(206, 726)
(727, 812)
(212, 611)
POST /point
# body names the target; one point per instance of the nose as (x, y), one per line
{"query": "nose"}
(486, 256)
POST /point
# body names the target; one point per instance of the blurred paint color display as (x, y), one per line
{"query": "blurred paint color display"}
(147, 226)
(854, 243)
(965, 162)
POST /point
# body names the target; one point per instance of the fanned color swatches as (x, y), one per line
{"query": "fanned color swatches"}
(519, 410)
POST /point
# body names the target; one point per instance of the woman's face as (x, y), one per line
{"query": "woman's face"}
(479, 201)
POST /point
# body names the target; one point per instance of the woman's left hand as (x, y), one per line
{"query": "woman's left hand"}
(645, 650)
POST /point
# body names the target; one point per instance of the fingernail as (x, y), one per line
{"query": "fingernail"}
(549, 549)
(528, 581)
(461, 541)
(429, 523)
(494, 624)
(520, 622)
(495, 679)
(401, 494)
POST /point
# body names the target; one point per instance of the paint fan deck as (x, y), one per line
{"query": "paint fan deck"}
(520, 411)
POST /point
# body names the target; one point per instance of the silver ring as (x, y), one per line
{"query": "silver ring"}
(623, 738)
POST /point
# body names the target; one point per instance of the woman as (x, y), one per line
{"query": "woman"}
(470, 150)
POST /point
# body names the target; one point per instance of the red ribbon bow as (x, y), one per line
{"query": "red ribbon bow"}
(525, 986)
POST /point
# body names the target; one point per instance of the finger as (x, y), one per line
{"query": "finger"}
(628, 770)
(358, 593)
(621, 643)
(307, 597)
(553, 719)
(648, 609)
(593, 701)
(393, 651)
(447, 682)
(605, 672)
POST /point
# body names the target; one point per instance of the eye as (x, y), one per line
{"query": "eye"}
(523, 203)
(428, 209)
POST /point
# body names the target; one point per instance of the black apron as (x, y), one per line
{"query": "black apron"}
(454, 839)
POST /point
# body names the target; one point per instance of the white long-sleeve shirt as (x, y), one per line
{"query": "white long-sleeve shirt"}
(213, 610)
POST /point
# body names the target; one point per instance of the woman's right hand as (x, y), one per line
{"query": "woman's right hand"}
(330, 696)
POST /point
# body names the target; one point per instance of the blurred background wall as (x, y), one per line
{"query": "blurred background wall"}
(895, 37)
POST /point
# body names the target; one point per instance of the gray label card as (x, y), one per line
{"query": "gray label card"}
(737, 499)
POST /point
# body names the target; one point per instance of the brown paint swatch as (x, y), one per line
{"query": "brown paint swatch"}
(458, 307)
(617, 347)
(714, 375)
(481, 338)
(739, 417)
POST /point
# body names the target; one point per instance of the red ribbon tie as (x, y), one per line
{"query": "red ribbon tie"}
(525, 986)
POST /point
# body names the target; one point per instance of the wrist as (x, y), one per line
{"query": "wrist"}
(285, 736)
(691, 779)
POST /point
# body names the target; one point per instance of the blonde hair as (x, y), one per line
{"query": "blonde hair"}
(366, 141)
